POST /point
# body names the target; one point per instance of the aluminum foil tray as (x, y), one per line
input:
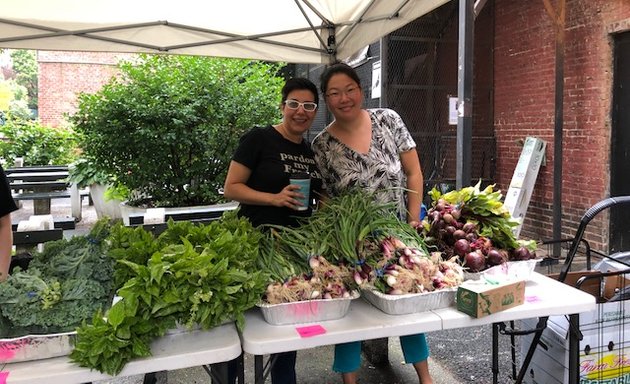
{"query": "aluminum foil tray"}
(36, 347)
(306, 311)
(512, 270)
(412, 302)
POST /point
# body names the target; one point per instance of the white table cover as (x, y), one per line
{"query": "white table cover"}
(173, 351)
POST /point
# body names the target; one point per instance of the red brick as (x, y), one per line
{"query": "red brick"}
(524, 85)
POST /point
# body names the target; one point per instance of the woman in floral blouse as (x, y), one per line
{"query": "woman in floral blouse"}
(371, 149)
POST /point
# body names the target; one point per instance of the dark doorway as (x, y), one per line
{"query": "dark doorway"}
(620, 142)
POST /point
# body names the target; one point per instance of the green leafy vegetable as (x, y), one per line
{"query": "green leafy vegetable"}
(190, 275)
(64, 285)
(343, 229)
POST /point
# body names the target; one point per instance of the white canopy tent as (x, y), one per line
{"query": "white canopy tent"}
(296, 31)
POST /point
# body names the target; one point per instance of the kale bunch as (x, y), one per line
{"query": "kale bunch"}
(65, 284)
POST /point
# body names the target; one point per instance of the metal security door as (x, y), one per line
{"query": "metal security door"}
(620, 141)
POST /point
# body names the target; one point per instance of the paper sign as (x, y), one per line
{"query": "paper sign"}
(309, 331)
(452, 110)
(376, 79)
(154, 216)
(3, 377)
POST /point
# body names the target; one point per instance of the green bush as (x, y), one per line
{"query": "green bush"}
(36, 143)
(167, 126)
(83, 173)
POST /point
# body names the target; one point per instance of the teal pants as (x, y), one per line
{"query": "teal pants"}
(348, 355)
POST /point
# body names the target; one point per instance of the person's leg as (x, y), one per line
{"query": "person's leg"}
(422, 369)
(349, 378)
(416, 351)
(283, 370)
(347, 361)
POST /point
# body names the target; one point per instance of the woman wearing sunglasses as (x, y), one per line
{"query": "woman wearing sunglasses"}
(259, 173)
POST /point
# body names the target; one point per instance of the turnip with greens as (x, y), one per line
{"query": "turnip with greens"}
(459, 234)
(475, 261)
(461, 247)
(495, 257)
(521, 253)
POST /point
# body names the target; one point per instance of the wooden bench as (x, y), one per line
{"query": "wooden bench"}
(42, 195)
(26, 241)
(60, 223)
(36, 237)
(41, 184)
(197, 216)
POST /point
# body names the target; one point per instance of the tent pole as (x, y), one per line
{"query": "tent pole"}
(464, 93)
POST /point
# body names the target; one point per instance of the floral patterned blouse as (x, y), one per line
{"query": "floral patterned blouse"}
(379, 171)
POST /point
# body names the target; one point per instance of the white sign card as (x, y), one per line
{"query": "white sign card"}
(452, 110)
(376, 79)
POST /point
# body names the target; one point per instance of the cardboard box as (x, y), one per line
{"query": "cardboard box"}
(604, 351)
(614, 284)
(479, 298)
(591, 286)
(603, 289)
(524, 179)
(604, 356)
(537, 375)
(608, 315)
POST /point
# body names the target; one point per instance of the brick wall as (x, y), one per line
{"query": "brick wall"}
(62, 75)
(524, 62)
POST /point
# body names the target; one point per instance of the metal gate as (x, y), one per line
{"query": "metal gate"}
(419, 74)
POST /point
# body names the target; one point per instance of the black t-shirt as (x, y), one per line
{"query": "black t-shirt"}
(7, 205)
(272, 159)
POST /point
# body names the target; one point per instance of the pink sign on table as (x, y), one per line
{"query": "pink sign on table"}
(308, 331)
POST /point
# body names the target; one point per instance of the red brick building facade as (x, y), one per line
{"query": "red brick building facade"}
(524, 85)
(62, 75)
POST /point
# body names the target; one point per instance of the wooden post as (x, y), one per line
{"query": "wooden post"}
(558, 16)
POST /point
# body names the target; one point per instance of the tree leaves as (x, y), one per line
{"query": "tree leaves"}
(168, 125)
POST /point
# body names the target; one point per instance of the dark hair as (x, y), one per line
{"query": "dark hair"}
(299, 83)
(334, 69)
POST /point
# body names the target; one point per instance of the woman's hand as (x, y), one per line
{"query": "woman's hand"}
(288, 197)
